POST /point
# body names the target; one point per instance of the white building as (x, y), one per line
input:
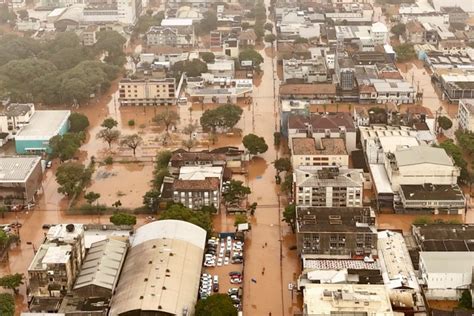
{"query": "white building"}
(379, 33)
(305, 71)
(14, 116)
(394, 91)
(322, 152)
(466, 114)
(328, 187)
(446, 274)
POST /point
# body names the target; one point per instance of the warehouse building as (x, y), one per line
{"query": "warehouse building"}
(20, 178)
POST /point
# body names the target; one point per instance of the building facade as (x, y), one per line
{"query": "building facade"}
(22, 177)
(322, 152)
(142, 92)
(466, 114)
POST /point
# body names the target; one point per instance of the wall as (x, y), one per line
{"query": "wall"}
(315, 160)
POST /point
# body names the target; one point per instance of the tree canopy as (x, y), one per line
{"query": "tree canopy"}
(71, 177)
(7, 304)
(208, 57)
(109, 123)
(132, 141)
(282, 164)
(216, 305)
(270, 38)
(289, 216)
(225, 117)
(146, 21)
(444, 122)
(109, 136)
(455, 152)
(251, 54)
(91, 197)
(465, 301)
(168, 118)
(255, 144)
(207, 24)
(179, 212)
(405, 52)
(12, 281)
(78, 122)
(193, 68)
(235, 192)
(65, 146)
(398, 29)
(123, 219)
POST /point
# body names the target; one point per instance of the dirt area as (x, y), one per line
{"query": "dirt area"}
(443, 305)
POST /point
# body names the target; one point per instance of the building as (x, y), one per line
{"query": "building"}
(328, 187)
(308, 151)
(247, 38)
(322, 92)
(335, 231)
(346, 299)
(20, 178)
(379, 32)
(57, 262)
(182, 159)
(14, 116)
(89, 35)
(101, 269)
(444, 237)
(162, 270)
(414, 32)
(394, 91)
(466, 114)
(446, 274)
(147, 91)
(44, 125)
(456, 14)
(305, 71)
(457, 86)
(318, 126)
(172, 32)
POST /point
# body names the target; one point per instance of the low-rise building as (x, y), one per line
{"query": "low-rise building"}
(466, 114)
(322, 92)
(308, 151)
(335, 231)
(457, 86)
(147, 91)
(305, 71)
(14, 116)
(394, 91)
(182, 159)
(414, 32)
(172, 32)
(444, 237)
(20, 178)
(34, 137)
(89, 35)
(456, 14)
(328, 187)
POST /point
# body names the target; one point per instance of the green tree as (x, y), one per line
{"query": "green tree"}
(71, 176)
(259, 30)
(225, 116)
(132, 141)
(455, 152)
(216, 305)
(251, 54)
(240, 219)
(282, 164)
(109, 136)
(112, 43)
(162, 159)
(207, 24)
(465, 301)
(193, 68)
(158, 178)
(245, 25)
(300, 40)
(287, 184)
(270, 38)
(23, 15)
(208, 57)
(179, 212)
(4, 238)
(78, 122)
(405, 52)
(7, 304)
(289, 216)
(268, 26)
(146, 21)
(189, 144)
(65, 146)
(109, 123)
(465, 140)
(91, 197)
(398, 29)
(444, 122)
(422, 220)
(236, 192)
(168, 118)
(151, 199)
(254, 144)
(123, 219)
(12, 281)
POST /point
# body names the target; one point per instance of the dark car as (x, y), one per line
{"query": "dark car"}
(235, 273)
(237, 261)
(215, 287)
(46, 226)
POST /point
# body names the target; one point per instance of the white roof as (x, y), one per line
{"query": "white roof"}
(56, 12)
(379, 175)
(59, 254)
(421, 155)
(199, 172)
(171, 229)
(442, 261)
(391, 143)
(379, 27)
(43, 125)
(176, 22)
(17, 169)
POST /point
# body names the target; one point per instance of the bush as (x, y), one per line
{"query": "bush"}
(88, 209)
(131, 122)
(109, 160)
(7, 304)
(123, 219)
(78, 122)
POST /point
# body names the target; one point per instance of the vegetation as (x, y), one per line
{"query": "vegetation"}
(224, 117)
(398, 29)
(78, 122)
(425, 220)
(131, 122)
(216, 305)
(7, 304)
(65, 146)
(251, 54)
(189, 144)
(405, 52)
(300, 40)
(12, 281)
(240, 219)
(208, 57)
(71, 177)
(132, 141)
(179, 212)
(466, 140)
(282, 164)
(193, 68)
(109, 136)
(168, 118)
(109, 123)
(455, 152)
(4, 238)
(268, 26)
(236, 192)
(207, 24)
(289, 216)
(146, 21)
(123, 219)
(91, 197)
(151, 198)
(254, 144)
(270, 38)
(444, 123)
(465, 301)
(287, 185)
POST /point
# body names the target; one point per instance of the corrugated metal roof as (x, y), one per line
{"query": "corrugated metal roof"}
(422, 154)
(17, 168)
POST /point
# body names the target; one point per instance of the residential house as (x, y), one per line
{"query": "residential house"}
(456, 14)
(414, 32)
(247, 38)
(305, 71)
(322, 92)
(394, 91)
(13, 117)
(172, 32)
(466, 114)
(182, 159)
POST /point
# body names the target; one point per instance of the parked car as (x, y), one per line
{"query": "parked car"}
(235, 273)
(233, 291)
(49, 164)
(46, 226)
(226, 260)
(219, 262)
(215, 287)
(236, 280)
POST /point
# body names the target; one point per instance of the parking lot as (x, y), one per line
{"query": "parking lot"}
(224, 259)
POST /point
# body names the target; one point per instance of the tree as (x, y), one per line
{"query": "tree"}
(189, 144)
(282, 164)
(91, 197)
(245, 25)
(240, 219)
(112, 43)
(7, 304)
(289, 216)
(132, 142)
(123, 219)
(251, 54)
(71, 176)
(109, 123)
(236, 192)
(146, 21)
(254, 144)
(405, 52)
(208, 57)
(65, 146)
(23, 15)
(109, 136)
(465, 301)
(12, 281)
(225, 116)
(270, 38)
(167, 118)
(3, 210)
(398, 29)
(465, 140)
(300, 40)
(182, 213)
(444, 122)
(268, 26)
(162, 159)
(151, 199)
(216, 305)
(78, 122)
(287, 184)
(4, 238)
(455, 152)
(190, 129)
(207, 24)
(193, 68)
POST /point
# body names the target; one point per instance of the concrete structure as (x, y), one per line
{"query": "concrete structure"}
(457, 86)
(147, 91)
(172, 32)
(444, 237)
(322, 92)
(323, 152)
(335, 231)
(446, 274)
(379, 32)
(434, 198)
(346, 299)
(328, 187)
(394, 91)
(20, 178)
(162, 271)
(331, 125)
(466, 114)
(101, 269)
(14, 116)
(414, 32)
(43, 125)
(305, 71)
(182, 159)
(89, 35)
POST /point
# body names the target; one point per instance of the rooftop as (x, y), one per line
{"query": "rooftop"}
(325, 146)
(317, 176)
(17, 168)
(445, 237)
(66, 233)
(200, 172)
(338, 264)
(197, 185)
(50, 253)
(442, 262)
(43, 125)
(17, 109)
(432, 192)
(422, 154)
(322, 122)
(468, 104)
(179, 157)
(176, 22)
(308, 89)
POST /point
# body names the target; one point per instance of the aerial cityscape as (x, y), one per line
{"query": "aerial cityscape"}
(230, 158)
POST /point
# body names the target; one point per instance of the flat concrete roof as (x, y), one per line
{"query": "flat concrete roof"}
(17, 168)
(442, 261)
(43, 125)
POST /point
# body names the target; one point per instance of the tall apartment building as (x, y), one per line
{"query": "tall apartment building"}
(147, 91)
(466, 114)
(328, 187)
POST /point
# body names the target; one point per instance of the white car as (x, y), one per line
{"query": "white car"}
(219, 262)
(222, 244)
(215, 280)
(226, 261)
(229, 247)
(237, 247)
(221, 252)
(210, 263)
